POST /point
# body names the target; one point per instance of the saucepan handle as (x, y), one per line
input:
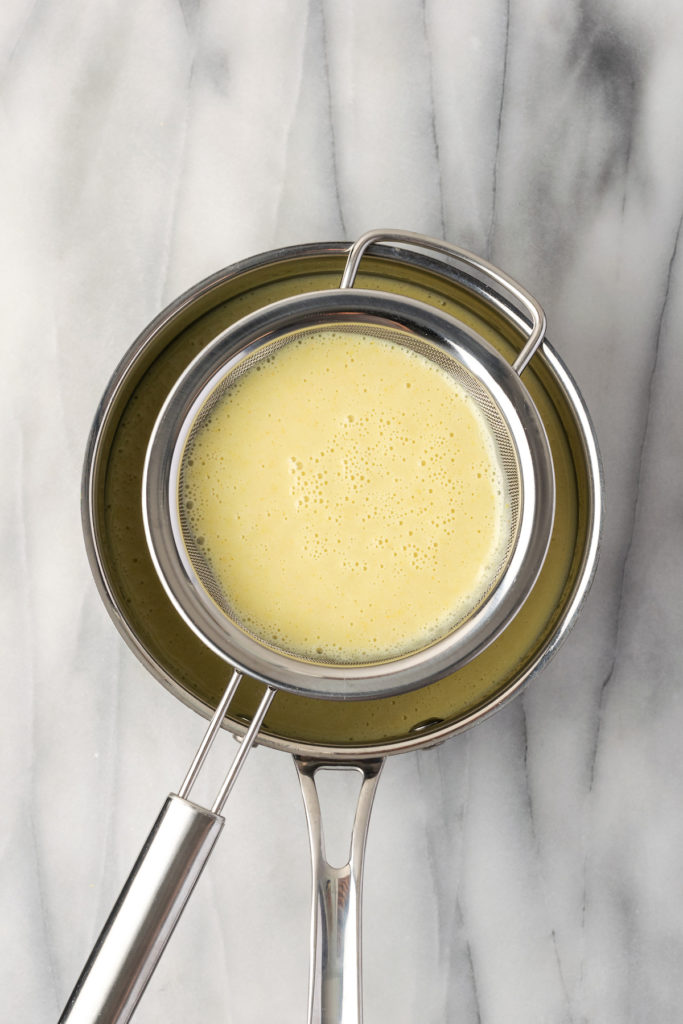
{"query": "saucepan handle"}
(412, 238)
(145, 915)
(335, 991)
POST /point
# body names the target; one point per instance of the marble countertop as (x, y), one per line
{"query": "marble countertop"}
(530, 869)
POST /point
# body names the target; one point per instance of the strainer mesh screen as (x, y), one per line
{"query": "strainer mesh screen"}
(474, 388)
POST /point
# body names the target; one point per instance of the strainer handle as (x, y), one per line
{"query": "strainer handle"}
(145, 914)
(335, 988)
(160, 884)
(412, 238)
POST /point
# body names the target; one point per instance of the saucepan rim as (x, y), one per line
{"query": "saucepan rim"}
(594, 500)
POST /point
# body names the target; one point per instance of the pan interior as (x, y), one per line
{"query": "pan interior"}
(178, 657)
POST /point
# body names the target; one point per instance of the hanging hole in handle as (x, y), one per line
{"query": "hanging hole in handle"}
(338, 792)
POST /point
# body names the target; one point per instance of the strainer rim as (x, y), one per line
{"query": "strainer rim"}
(419, 668)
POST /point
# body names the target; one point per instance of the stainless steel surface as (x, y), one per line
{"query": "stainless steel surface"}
(470, 260)
(204, 296)
(489, 381)
(246, 744)
(209, 736)
(335, 988)
(587, 466)
(144, 916)
(157, 889)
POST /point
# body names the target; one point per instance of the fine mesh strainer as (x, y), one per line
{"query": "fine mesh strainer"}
(196, 567)
(491, 383)
(184, 834)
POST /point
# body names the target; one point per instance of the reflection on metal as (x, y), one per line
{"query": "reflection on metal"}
(335, 991)
(157, 889)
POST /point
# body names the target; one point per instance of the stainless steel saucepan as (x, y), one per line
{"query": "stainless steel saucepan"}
(321, 734)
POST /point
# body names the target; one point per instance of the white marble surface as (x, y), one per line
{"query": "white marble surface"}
(528, 872)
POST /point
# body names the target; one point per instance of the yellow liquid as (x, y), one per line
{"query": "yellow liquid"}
(348, 498)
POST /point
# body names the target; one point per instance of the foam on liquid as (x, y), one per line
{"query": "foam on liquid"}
(348, 498)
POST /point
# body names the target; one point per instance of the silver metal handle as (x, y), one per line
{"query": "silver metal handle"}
(413, 238)
(152, 900)
(335, 989)
(145, 914)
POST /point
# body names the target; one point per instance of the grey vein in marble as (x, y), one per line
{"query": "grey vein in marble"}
(528, 871)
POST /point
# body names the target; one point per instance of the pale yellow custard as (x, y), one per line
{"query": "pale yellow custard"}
(348, 498)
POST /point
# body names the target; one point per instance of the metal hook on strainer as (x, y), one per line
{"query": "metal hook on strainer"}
(182, 838)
